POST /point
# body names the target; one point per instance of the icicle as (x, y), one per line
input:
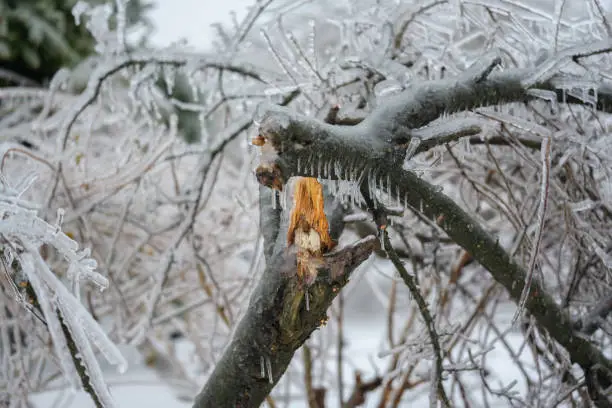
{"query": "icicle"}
(269, 367)
(362, 173)
(307, 299)
(369, 181)
(549, 96)
(284, 199)
(413, 146)
(333, 184)
(312, 165)
(262, 366)
(59, 220)
(398, 197)
(273, 195)
(169, 73)
(354, 192)
(381, 237)
(468, 145)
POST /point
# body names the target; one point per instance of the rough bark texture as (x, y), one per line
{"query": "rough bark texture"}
(276, 322)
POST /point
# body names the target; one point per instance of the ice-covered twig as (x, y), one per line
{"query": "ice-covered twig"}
(555, 63)
(72, 329)
(544, 192)
(480, 70)
(427, 318)
(450, 129)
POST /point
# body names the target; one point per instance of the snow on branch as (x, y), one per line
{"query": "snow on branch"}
(343, 152)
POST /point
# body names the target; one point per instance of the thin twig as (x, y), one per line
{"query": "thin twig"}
(544, 191)
(416, 293)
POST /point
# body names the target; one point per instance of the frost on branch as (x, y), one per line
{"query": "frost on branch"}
(38, 288)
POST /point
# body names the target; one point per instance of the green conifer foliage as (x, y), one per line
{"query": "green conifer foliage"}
(38, 37)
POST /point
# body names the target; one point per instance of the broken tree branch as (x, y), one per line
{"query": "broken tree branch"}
(275, 326)
(374, 151)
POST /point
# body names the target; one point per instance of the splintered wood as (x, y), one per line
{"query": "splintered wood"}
(308, 228)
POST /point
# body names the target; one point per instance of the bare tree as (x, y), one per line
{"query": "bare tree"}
(465, 144)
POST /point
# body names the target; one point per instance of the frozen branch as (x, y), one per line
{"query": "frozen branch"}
(383, 137)
(108, 68)
(427, 318)
(276, 324)
(372, 152)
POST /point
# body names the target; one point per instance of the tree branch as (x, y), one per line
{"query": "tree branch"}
(425, 313)
(269, 219)
(275, 325)
(374, 151)
(382, 138)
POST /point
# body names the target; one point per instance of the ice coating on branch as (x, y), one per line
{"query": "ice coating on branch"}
(584, 205)
(23, 227)
(549, 96)
(413, 146)
(605, 258)
(554, 64)
(387, 87)
(545, 157)
(275, 121)
(53, 324)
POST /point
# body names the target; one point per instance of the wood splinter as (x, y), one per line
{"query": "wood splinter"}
(309, 229)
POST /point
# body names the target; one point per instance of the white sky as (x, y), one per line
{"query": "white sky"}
(191, 19)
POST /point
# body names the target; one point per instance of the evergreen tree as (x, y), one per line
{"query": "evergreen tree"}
(38, 37)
